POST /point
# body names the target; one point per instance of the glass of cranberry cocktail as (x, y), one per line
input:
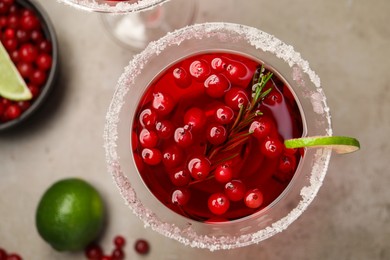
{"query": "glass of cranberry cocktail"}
(195, 130)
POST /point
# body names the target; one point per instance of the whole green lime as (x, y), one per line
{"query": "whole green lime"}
(70, 215)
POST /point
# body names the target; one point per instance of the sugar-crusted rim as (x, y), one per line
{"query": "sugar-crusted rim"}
(107, 6)
(259, 40)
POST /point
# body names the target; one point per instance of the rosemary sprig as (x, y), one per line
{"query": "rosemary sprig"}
(246, 114)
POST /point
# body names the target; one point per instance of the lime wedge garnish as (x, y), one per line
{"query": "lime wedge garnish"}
(340, 144)
(12, 85)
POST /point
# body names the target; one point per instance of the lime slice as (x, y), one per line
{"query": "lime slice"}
(12, 85)
(340, 144)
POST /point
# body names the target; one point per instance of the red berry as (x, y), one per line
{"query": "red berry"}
(180, 178)
(218, 203)
(14, 256)
(164, 129)
(253, 198)
(147, 118)
(15, 57)
(148, 138)
(94, 252)
(195, 117)
(13, 21)
(12, 112)
(25, 69)
(119, 241)
(200, 70)
(224, 173)
(22, 35)
(287, 163)
(106, 257)
(273, 98)
(236, 97)
(141, 246)
(181, 196)
(28, 52)
(3, 254)
(216, 134)
(29, 22)
(117, 254)
(216, 85)
(34, 90)
(261, 127)
(45, 46)
(24, 105)
(172, 156)
(218, 64)
(224, 115)
(38, 77)
(36, 35)
(199, 167)
(10, 44)
(151, 156)
(162, 103)
(9, 34)
(183, 136)
(181, 77)
(235, 72)
(272, 147)
(235, 190)
(44, 61)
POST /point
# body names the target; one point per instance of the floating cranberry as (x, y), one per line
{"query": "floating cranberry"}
(235, 72)
(162, 103)
(216, 134)
(218, 203)
(287, 163)
(261, 127)
(235, 190)
(236, 97)
(200, 70)
(195, 117)
(224, 173)
(164, 129)
(272, 147)
(199, 167)
(224, 115)
(181, 196)
(172, 156)
(218, 64)
(183, 136)
(273, 98)
(181, 77)
(253, 198)
(180, 178)
(148, 138)
(216, 85)
(141, 246)
(151, 156)
(148, 118)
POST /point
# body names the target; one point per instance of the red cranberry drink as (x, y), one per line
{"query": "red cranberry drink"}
(196, 129)
(208, 136)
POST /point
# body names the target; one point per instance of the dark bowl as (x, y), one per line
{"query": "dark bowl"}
(46, 89)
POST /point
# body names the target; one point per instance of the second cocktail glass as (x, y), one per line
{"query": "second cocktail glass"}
(133, 24)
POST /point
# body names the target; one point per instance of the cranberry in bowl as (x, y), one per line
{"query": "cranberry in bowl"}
(28, 37)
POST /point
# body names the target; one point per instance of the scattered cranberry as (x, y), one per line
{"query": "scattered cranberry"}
(119, 241)
(94, 252)
(141, 246)
(218, 203)
(12, 256)
(3, 254)
(117, 254)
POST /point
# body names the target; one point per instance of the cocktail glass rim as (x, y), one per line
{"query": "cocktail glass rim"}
(188, 233)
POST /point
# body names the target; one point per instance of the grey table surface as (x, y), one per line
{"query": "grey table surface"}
(346, 42)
